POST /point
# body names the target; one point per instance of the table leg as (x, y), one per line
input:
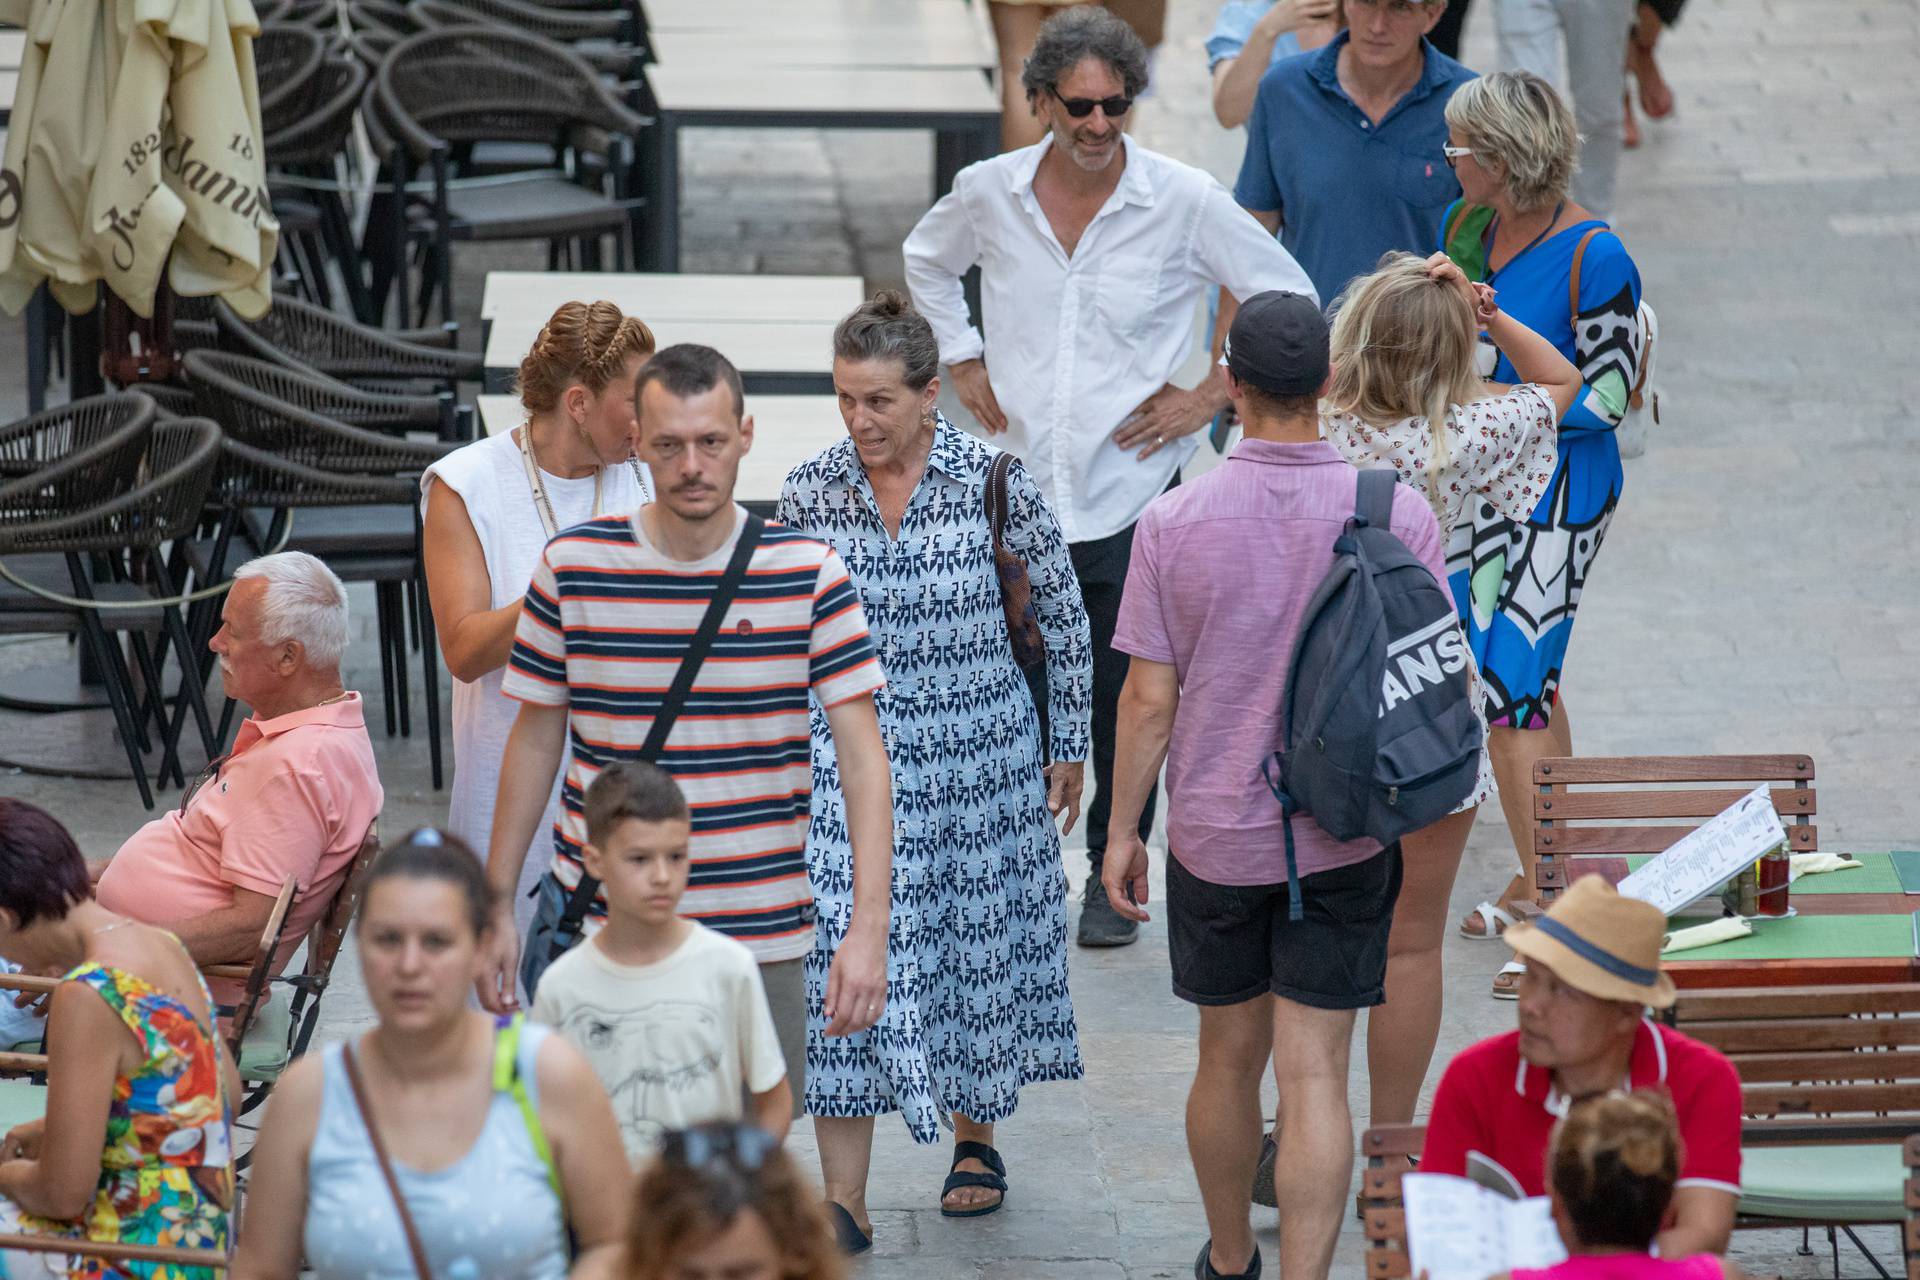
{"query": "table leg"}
(662, 248)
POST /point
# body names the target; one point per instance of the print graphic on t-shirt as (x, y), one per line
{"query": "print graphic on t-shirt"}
(660, 1063)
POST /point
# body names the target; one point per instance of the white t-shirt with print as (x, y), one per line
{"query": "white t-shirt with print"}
(674, 1042)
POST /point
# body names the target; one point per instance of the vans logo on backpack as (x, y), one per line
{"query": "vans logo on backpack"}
(1378, 693)
(1422, 661)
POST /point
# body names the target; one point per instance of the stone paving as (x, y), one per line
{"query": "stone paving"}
(1758, 591)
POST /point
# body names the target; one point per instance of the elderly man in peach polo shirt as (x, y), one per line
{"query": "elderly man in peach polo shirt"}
(294, 797)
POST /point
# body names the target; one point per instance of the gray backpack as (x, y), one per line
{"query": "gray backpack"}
(1379, 735)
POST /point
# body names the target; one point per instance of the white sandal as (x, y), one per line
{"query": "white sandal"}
(1512, 992)
(1496, 919)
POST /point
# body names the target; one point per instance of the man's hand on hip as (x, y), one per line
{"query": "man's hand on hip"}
(976, 393)
(1163, 417)
(857, 980)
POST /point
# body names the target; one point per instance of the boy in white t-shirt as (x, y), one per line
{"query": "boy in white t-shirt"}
(671, 1014)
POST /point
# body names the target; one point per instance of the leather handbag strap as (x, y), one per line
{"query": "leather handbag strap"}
(414, 1246)
(1573, 277)
(575, 914)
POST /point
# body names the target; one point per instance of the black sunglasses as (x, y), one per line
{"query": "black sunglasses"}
(742, 1146)
(1081, 108)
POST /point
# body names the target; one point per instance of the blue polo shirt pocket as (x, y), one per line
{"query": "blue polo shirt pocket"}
(1422, 179)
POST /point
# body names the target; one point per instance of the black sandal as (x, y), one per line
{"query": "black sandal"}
(846, 1231)
(1203, 1265)
(995, 1181)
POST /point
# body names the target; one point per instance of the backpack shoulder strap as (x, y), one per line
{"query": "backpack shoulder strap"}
(1573, 276)
(507, 1080)
(1373, 498)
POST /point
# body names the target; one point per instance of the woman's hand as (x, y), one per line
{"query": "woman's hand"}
(857, 980)
(23, 1140)
(1065, 779)
(1486, 304)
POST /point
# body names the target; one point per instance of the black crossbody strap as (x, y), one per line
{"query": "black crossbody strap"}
(576, 913)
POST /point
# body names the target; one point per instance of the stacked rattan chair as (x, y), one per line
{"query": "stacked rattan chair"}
(311, 338)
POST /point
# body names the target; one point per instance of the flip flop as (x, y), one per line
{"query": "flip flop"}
(1512, 990)
(846, 1231)
(956, 1180)
(1495, 920)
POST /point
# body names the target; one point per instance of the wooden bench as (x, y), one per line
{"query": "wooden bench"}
(1591, 812)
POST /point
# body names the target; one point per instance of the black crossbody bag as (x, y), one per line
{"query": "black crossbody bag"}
(567, 934)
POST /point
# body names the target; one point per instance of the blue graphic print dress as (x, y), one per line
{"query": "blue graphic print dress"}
(977, 1001)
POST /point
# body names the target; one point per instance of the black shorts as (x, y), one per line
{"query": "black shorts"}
(1230, 943)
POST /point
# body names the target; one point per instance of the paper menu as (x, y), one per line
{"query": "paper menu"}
(1460, 1230)
(1708, 856)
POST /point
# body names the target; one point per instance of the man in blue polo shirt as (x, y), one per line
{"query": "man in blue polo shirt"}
(1345, 156)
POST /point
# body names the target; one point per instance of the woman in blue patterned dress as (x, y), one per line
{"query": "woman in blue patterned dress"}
(1513, 144)
(977, 1002)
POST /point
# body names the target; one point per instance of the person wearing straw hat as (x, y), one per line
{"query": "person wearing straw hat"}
(1592, 971)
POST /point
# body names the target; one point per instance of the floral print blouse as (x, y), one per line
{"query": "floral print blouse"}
(166, 1175)
(1503, 448)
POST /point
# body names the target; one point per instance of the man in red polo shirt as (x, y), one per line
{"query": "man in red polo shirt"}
(1592, 971)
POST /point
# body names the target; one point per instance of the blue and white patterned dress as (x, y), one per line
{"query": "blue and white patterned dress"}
(977, 1001)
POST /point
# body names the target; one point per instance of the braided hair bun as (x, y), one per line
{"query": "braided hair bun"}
(583, 342)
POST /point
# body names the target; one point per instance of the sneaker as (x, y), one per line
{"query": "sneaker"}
(1100, 924)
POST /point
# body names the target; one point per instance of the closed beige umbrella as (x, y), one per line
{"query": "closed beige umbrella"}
(135, 145)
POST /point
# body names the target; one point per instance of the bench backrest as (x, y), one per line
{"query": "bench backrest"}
(1595, 810)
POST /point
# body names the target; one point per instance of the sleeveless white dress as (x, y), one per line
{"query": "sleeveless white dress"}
(491, 479)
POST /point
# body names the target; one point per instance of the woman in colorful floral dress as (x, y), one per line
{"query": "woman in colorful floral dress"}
(1564, 275)
(977, 1003)
(136, 1145)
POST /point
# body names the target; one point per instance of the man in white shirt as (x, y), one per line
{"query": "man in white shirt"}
(1094, 253)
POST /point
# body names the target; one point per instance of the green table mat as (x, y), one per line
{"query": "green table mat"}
(1876, 875)
(1810, 937)
(21, 1102)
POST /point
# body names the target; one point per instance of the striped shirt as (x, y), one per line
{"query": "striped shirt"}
(606, 622)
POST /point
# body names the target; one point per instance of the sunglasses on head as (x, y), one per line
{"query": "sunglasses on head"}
(742, 1146)
(1081, 108)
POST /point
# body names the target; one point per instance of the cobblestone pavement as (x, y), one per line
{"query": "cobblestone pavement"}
(1757, 591)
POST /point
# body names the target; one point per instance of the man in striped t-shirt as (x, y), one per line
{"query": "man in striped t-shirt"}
(612, 609)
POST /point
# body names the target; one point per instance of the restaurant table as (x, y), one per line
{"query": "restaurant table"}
(656, 296)
(956, 105)
(787, 430)
(782, 47)
(1847, 926)
(774, 358)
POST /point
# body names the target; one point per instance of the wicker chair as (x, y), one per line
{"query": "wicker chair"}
(129, 532)
(303, 158)
(604, 38)
(311, 339)
(96, 442)
(277, 385)
(439, 90)
(287, 59)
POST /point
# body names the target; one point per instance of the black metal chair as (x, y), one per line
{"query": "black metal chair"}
(312, 339)
(128, 532)
(444, 89)
(358, 491)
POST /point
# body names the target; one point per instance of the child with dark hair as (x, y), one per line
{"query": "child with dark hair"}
(670, 1013)
(1611, 1169)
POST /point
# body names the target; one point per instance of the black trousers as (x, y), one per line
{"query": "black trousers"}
(1101, 566)
(1446, 32)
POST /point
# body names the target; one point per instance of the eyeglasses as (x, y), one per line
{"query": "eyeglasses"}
(1454, 153)
(742, 1146)
(209, 774)
(1081, 108)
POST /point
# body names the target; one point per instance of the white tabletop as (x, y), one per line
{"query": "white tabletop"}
(804, 347)
(13, 45)
(892, 96)
(941, 17)
(657, 297)
(787, 430)
(717, 50)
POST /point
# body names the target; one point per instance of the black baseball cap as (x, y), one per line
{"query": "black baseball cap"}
(1279, 343)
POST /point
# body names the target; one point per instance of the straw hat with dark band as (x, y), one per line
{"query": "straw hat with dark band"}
(1598, 942)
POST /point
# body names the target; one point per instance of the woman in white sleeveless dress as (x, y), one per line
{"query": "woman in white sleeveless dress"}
(490, 508)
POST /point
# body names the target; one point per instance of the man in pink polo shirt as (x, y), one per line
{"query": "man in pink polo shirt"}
(1223, 568)
(294, 797)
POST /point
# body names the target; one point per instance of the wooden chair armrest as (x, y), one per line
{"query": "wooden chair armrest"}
(114, 1250)
(28, 982)
(14, 1064)
(236, 971)
(1527, 910)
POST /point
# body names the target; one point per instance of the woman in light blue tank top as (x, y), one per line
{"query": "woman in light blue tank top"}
(498, 1136)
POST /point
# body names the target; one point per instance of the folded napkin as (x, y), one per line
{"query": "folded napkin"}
(1724, 929)
(1813, 864)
